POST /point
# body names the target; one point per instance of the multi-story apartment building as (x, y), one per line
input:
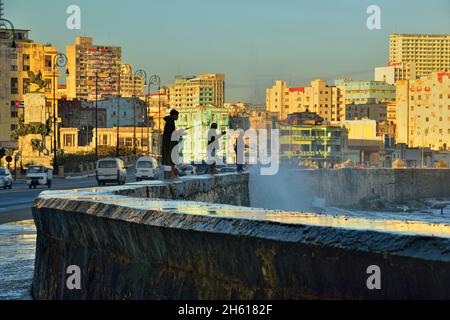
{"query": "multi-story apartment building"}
(377, 112)
(305, 139)
(430, 53)
(277, 100)
(158, 107)
(107, 137)
(362, 92)
(396, 71)
(197, 120)
(92, 67)
(206, 89)
(319, 98)
(131, 86)
(391, 113)
(80, 115)
(15, 63)
(132, 111)
(423, 112)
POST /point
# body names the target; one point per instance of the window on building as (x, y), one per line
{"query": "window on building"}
(14, 127)
(48, 62)
(26, 62)
(68, 140)
(13, 109)
(14, 86)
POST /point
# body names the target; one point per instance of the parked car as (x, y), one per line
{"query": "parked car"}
(6, 179)
(39, 175)
(111, 170)
(146, 168)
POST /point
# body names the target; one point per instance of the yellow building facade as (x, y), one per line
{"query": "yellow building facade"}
(320, 98)
(396, 71)
(206, 89)
(423, 112)
(145, 139)
(14, 82)
(429, 53)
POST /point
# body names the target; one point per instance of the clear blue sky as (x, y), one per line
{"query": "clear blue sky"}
(252, 41)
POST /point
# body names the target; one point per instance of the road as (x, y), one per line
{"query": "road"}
(15, 204)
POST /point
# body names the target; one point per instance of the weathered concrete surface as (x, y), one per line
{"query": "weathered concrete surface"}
(223, 188)
(137, 248)
(346, 187)
(394, 185)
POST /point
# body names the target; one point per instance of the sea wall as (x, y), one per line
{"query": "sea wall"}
(128, 246)
(347, 187)
(223, 188)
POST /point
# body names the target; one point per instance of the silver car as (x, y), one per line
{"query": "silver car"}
(6, 179)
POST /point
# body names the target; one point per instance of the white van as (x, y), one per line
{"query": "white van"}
(39, 175)
(146, 168)
(111, 170)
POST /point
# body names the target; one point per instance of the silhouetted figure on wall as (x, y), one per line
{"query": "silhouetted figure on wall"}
(168, 145)
(213, 147)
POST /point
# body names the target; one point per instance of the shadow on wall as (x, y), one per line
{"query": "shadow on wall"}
(288, 190)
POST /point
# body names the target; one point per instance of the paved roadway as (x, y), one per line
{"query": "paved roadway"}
(15, 204)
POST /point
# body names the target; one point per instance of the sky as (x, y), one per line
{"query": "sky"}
(254, 42)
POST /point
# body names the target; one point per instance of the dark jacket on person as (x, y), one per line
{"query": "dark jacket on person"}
(167, 143)
(212, 145)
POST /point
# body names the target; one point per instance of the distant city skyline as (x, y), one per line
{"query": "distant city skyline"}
(253, 42)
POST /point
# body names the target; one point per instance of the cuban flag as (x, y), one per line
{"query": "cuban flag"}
(19, 104)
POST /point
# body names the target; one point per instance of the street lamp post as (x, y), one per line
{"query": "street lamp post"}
(147, 102)
(96, 115)
(59, 61)
(125, 70)
(156, 80)
(166, 90)
(96, 112)
(142, 75)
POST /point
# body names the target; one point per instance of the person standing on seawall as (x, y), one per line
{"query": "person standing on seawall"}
(239, 149)
(170, 171)
(213, 147)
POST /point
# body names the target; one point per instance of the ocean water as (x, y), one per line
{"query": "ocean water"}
(17, 251)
